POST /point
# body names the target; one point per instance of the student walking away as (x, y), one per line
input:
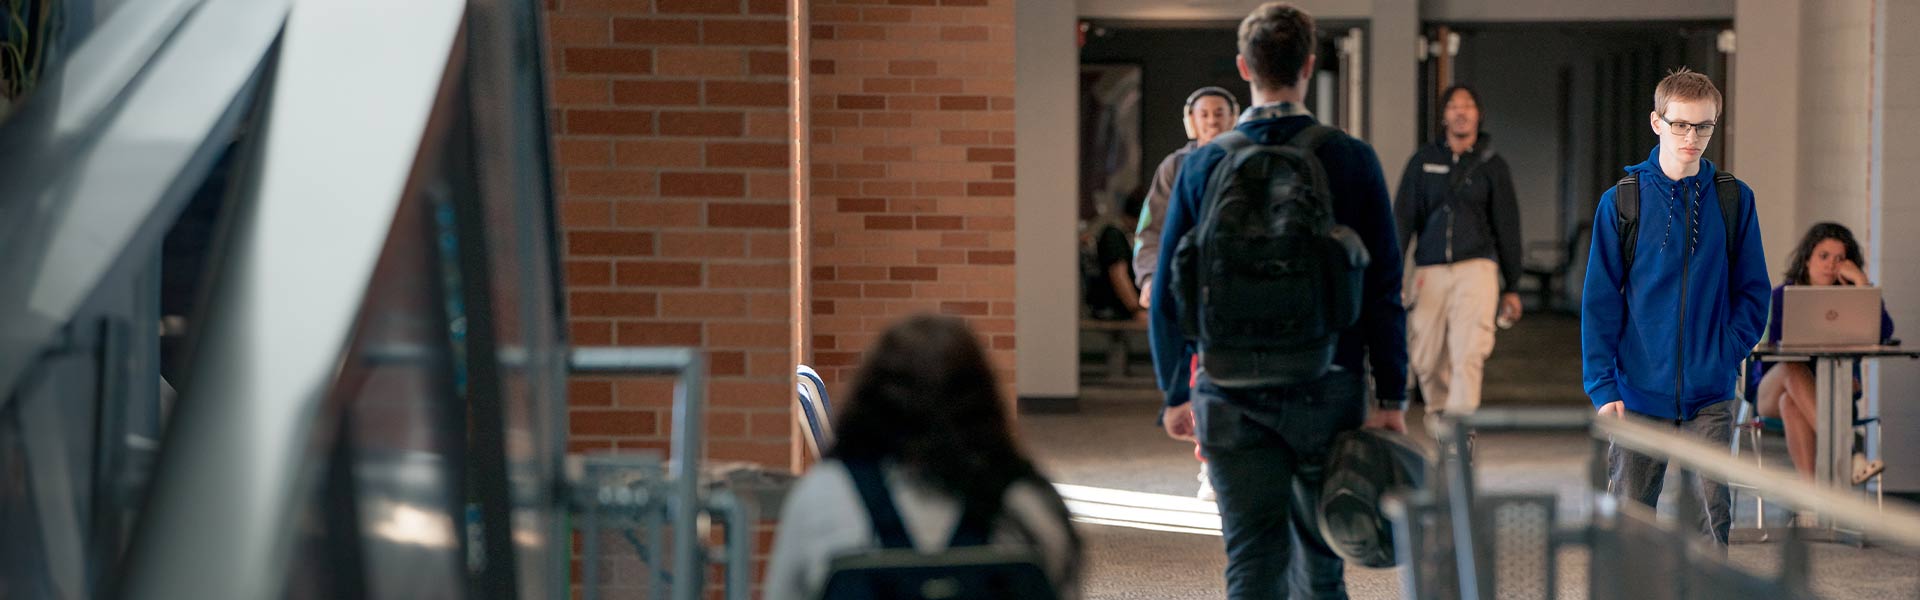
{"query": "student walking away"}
(1209, 111)
(924, 486)
(1278, 330)
(1456, 199)
(1676, 294)
(1827, 256)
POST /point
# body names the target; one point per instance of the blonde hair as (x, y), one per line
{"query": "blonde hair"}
(1685, 85)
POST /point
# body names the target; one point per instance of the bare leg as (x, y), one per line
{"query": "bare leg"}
(1798, 407)
(1769, 398)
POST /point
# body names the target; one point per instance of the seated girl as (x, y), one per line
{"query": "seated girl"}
(1828, 255)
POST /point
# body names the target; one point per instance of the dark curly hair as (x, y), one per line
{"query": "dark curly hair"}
(926, 397)
(1820, 232)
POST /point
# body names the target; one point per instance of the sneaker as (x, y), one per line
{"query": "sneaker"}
(1206, 486)
(1864, 469)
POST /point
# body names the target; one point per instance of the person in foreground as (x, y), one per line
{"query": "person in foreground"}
(925, 408)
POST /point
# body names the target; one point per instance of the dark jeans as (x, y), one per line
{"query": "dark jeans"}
(1266, 452)
(1636, 476)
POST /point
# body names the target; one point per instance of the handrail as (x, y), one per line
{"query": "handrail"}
(689, 403)
(1898, 524)
(1895, 523)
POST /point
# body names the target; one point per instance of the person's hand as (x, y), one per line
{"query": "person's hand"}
(1390, 420)
(1849, 274)
(1178, 420)
(1510, 307)
(1614, 409)
(1146, 297)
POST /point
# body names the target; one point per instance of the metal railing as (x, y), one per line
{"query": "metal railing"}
(689, 407)
(1450, 534)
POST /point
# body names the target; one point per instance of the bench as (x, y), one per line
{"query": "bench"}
(1118, 334)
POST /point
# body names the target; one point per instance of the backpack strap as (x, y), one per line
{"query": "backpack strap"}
(1626, 221)
(1481, 158)
(1728, 188)
(872, 483)
(1308, 142)
(1233, 141)
(1626, 208)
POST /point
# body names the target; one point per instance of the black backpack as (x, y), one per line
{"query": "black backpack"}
(1626, 222)
(1266, 281)
(968, 569)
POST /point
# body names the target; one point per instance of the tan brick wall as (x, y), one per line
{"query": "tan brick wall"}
(672, 136)
(912, 171)
(673, 161)
(671, 121)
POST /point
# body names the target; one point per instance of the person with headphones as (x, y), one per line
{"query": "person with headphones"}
(1209, 111)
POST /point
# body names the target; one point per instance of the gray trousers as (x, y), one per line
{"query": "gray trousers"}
(1637, 477)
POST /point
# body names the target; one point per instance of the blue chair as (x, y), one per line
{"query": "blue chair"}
(814, 411)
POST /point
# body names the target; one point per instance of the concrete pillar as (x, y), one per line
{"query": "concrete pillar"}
(1046, 183)
(1393, 38)
(1896, 148)
(1764, 125)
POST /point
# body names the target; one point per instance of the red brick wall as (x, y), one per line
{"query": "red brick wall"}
(675, 177)
(671, 136)
(912, 171)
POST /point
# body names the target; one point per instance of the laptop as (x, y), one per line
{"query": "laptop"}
(1818, 316)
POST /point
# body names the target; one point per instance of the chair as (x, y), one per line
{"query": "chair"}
(1549, 268)
(1749, 422)
(814, 411)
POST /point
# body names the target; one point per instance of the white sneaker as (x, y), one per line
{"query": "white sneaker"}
(1206, 485)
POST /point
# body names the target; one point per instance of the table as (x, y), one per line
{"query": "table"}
(1833, 458)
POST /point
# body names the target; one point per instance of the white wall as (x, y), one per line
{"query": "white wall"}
(1765, 130)
(1393, 84)
(1046, 185)
(1895, 209)
(1836, 53)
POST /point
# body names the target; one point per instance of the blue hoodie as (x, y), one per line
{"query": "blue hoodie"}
(1682, 321)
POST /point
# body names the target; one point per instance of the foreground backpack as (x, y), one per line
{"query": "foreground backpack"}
(1363, 465)
(968, 569)
(1266, 281)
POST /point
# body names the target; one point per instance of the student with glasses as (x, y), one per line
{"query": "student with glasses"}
(1675, 295)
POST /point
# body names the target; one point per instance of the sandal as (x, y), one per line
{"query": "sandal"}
(1864, 469)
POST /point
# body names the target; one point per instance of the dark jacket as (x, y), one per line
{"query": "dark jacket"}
(1668, 338)
(1359, 201)
(1153, 216)
(1461, 208)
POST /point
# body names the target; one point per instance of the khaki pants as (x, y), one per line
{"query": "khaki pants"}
(1450, 331)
